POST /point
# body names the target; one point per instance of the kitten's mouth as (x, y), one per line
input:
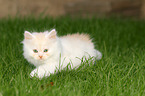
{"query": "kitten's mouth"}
(41, 59)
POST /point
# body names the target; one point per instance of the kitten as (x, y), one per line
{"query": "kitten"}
(48, 52)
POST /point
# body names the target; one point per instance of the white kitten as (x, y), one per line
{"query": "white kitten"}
(48, 52)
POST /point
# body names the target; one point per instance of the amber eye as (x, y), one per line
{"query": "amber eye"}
(35, 51)
(46, 50)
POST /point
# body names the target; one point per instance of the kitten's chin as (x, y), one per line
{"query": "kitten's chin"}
(41, 60)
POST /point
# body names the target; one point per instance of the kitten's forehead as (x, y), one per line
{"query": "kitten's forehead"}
(40, 38)
(40, 35)
(40, 41)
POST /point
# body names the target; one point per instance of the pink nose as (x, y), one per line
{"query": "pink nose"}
(40, 57)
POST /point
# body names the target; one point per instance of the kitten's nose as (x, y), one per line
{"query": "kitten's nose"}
(40, 56)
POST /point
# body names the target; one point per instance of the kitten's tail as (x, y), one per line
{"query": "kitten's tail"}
(98, 55)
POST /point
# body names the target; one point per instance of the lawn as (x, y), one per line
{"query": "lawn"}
(121, 71)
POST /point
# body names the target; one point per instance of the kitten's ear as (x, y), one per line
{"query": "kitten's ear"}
(52, 34)
(28, 35)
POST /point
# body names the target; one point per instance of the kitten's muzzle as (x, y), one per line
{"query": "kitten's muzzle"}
(40, 56)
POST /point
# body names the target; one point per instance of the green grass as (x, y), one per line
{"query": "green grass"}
(120, 72)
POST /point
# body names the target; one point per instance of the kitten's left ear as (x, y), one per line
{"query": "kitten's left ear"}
(52, 34)
(28, 35)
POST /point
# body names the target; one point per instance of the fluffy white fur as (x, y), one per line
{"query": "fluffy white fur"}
(60, 51)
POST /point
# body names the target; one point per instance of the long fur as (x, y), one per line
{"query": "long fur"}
(61, 51)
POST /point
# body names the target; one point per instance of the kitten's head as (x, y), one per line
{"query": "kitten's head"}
(39, 47)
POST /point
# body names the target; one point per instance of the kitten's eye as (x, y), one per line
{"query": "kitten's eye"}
(35, 51)
(46, 50)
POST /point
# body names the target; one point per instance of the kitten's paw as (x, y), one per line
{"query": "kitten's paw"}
(39, 73)
(33, 73)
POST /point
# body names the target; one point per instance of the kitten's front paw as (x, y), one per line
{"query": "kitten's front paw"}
(33, 73)
(39, 72)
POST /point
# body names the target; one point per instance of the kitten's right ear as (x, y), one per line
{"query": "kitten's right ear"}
(51, 34)
(28, 35)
